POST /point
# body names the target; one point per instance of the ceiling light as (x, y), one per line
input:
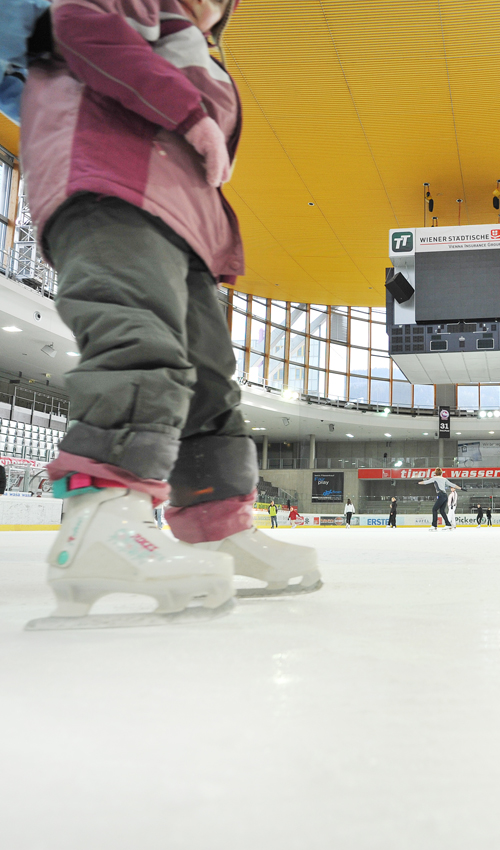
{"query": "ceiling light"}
(73, 354)
(258, 429)
(349, 435)
(489, 414)
(458, 432)
(399, 463)
(482, 414)
(247, 421)
(387, 410)
(49, 349)
(387, 435)
(496, 413)
(426, 433)
(491, 432)
(12, 330)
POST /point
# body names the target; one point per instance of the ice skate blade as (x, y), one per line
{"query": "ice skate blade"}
(197, 614)
(290, 590)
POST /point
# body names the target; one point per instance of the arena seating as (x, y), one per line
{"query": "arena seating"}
(33, 442)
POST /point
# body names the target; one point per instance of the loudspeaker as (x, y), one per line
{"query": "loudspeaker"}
(400, 288)
(331, 427)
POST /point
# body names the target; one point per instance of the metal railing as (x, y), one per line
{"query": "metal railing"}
(24, 266)
(245, 379)
(350, 463)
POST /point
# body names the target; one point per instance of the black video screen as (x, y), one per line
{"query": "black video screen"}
(457, 284)
(328, 486)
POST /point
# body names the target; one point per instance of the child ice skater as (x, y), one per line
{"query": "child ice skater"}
(128, 133)
(294, 517)
(452, 506)
(440, 485)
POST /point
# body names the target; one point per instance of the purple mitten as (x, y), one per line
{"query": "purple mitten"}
(208, 140)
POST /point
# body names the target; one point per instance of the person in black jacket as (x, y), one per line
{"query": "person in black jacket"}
(3, 479)
(393, 513)
(488, 517)
(479, 516)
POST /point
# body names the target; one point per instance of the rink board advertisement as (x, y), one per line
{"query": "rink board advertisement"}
(21, 514)
(327, 487)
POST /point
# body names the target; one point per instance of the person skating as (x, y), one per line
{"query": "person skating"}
(440, 484)
(127, 134)
(348, 512)
(273, 513)
(452, 506)
(393, 510)
(488, 518)
(479, 516)
(294, 517)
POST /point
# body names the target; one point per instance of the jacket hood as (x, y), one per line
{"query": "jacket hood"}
(219, 28)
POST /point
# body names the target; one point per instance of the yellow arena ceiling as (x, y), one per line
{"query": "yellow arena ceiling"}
(349, 107)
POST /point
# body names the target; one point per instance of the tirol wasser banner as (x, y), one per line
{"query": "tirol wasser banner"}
(448, 472)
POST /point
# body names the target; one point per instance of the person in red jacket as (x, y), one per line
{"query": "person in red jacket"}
(294, 517)
(128, 133)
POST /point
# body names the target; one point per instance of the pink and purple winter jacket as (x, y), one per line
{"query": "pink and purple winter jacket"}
(109, 115)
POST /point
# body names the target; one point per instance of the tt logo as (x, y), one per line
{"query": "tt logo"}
(402, 242)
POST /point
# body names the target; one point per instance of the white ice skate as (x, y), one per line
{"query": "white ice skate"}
(109, 543)
(258, 556)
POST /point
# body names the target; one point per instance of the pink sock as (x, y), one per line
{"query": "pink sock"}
(212, 520)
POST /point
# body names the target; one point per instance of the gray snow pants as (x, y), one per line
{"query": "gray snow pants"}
(153, 392)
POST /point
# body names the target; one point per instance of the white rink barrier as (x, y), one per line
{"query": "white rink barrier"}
(22, 513)
(263, 520)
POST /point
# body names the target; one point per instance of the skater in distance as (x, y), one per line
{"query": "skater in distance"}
(452, 506)
(129, 130)
(349, 509)
(393, 510)
(440, 484)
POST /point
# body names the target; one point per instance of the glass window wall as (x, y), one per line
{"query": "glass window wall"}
(258, 335)
(238, 330)
(359, 333)
(278, 313)
(468, 396)
(350, 362)
(489, 396)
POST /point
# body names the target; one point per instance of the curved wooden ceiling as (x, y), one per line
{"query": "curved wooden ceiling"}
(351, 105)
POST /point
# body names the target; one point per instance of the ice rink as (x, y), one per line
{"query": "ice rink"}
(361, 717)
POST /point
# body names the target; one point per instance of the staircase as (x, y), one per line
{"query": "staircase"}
(267, 492)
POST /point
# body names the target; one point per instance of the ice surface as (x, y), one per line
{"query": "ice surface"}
(361, 717)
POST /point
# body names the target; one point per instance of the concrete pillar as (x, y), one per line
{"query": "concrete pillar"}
(265, 443)
(445, 395)
(312, 450)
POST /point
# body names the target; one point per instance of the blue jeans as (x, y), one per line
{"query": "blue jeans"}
(439, 504)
